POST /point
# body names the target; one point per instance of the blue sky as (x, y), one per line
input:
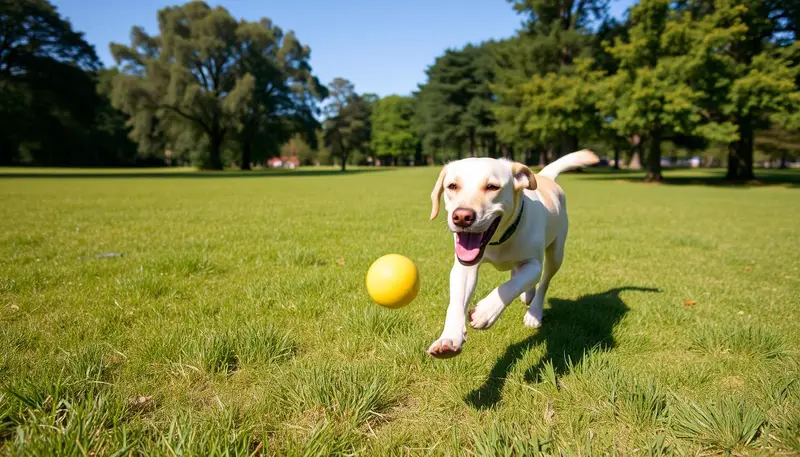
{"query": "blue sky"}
(381, 46)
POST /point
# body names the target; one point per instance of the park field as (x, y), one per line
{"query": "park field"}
(182, 314)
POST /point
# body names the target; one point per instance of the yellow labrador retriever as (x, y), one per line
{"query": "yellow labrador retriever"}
(501, 212)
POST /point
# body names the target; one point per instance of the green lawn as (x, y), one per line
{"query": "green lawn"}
(235, 321)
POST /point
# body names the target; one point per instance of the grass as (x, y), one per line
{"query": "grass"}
(149, 314)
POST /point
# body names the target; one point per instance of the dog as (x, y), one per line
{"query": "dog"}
(501, 212)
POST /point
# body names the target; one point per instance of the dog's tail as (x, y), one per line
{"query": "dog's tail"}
(570, 161)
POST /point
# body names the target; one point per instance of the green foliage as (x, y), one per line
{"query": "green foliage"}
(48, 74)
(298, 147)
(207, 79)
(651, 94)
(348, 126)
(455, 103)
(563, 104)
(393, 132)
(746, 79)
(283, 98)
(513, 67)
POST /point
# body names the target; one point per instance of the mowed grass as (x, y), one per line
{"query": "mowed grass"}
(165, 315)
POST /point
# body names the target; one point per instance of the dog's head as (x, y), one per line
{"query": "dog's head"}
(480, 195)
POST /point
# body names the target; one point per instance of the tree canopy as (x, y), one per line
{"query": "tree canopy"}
(207, 79)
(695, 76)
(393, 130)
(347, 127)
(48, 83)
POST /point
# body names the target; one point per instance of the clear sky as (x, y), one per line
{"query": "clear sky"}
(381, 46)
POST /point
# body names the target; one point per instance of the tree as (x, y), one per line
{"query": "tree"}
(298, 147)
(283, 96)
(650, 96)
(111, 140)
(738, 64)
(456, 100)
(546, 16)
(392, 127)
(556, 32)
(46, 85)
(207, 79)
(347, 126)
(513, 67)
(559, 105)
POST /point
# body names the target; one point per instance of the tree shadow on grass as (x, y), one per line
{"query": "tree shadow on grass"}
(713, 178)
(166, 174)
(570, 329)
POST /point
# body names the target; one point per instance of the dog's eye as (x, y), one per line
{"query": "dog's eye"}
(452, 186)
(492, 187)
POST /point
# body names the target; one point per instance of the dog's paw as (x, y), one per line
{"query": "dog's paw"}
(532, 321)
(445, 348)
(485, 314)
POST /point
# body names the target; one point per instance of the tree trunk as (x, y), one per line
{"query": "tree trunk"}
(215, 152)
(7, 149)
(784, 159)
(343, 155)
(616, 158)
(472, 145)
(492, 145)
(510, 152)
(636, 153)
(740, 153)
(654, 158)
(247, 155)
(569, 143)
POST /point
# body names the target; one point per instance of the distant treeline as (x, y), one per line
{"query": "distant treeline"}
(717, 76)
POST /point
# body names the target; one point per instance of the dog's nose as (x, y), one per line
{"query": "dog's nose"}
(463, 217)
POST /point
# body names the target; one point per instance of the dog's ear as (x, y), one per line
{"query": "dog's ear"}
(438, 188)
(523, 177)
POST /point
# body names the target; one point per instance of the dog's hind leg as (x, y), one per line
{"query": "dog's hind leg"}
(534, 298)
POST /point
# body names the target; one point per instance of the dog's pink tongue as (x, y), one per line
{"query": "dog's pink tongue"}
(468, 246)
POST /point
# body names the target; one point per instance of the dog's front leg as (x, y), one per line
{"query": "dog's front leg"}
(462, 285)
(490, 308)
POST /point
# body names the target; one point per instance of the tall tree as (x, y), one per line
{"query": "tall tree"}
(556, 33)
(208, 79)
(183, 77)
(46, 85)
(283, 95)
(513, 68)
(559, 105)
(650, 97)
(393, 132)
(739, 65)
(347, 126)
(456, 99)
(113, 145)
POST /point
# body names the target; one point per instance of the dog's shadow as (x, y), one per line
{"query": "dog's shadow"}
(570, 329)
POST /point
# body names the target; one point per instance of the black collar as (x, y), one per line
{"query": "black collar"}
(512, 228)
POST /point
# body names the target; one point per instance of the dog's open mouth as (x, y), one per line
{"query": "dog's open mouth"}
(470, 245)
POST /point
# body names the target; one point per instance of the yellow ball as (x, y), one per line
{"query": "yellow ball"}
(393, 281)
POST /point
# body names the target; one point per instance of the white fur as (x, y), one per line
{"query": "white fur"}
(533, 254)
